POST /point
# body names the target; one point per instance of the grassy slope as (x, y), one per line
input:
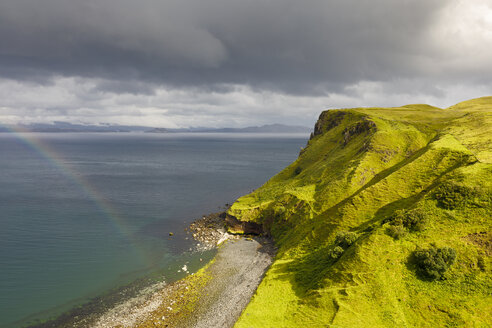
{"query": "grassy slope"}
(362, 165)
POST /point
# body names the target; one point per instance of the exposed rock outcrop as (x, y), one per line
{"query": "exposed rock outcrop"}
(360, 127)
(327, 121)
(236, 226)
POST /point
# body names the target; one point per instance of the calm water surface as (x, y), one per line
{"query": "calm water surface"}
(81, 214)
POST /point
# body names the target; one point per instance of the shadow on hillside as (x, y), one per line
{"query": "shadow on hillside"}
(316, 268)
(305, 274)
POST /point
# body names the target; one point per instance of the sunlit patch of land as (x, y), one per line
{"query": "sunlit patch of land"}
(410, 190)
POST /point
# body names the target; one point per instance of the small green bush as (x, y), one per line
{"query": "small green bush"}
(396, 231)
(345, 238)
(450, 195)
(413, 220)
(433, 262)
(297, 170)
(482, 265)
(336, 252)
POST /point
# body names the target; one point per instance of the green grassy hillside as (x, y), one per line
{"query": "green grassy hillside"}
(384, 220)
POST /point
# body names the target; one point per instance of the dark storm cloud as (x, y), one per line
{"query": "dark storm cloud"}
(292, 46)
(183, 63)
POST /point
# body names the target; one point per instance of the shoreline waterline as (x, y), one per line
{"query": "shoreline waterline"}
(214, 291)
(214, 297)
(86, 313)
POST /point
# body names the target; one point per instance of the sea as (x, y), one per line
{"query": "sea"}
(83, 215)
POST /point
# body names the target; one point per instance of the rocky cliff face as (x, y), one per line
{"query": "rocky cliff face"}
(374, 191)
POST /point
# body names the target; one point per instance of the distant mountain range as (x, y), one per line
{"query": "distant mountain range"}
(270, 128)
(60, 127)
(69, 127)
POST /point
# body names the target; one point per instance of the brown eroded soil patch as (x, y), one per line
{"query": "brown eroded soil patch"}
(482, 239)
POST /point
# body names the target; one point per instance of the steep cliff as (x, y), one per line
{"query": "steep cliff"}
(384, 220)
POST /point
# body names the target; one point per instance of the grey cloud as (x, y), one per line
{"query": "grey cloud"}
(123, 86)
(290, 46)
(75, 100)
(234, 62)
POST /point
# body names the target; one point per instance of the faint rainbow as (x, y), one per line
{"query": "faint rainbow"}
(51, 156)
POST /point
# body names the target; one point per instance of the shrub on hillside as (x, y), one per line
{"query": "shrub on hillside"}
(336, 252)
(396, 231)
(345, 238)
(413, 220)
(482, 265)
(450, 195)
(433, 262)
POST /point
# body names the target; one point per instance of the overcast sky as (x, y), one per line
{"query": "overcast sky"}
(235, 62)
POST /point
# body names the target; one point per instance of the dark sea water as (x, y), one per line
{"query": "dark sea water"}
(81, 214)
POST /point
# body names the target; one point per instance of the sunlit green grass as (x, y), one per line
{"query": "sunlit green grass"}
(353, 177)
